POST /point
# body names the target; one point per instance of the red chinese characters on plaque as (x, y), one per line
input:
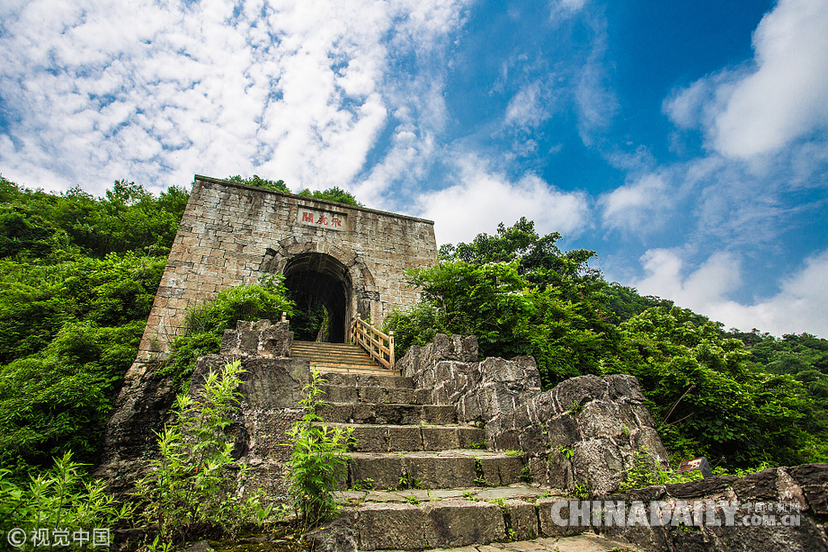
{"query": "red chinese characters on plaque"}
(323, 219)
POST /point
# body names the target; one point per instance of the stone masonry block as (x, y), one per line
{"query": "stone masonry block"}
(371, 471)
(391, 527)
(434, 472)
(548, 527)
(461, 523)
(523, 519)
(402, 438)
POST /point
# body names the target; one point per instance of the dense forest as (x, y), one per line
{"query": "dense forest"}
(78, 276)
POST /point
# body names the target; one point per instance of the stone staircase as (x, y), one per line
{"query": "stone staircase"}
(417, 479)
(336, 356)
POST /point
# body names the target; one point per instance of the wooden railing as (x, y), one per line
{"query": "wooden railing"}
(379, 345)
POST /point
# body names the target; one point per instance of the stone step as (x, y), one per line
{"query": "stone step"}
(360, 369)
(433, 470)
(398, 414)
(423, 519)
(332, 353)
(343, 359)
(377, 378)
(410, 438)
(587, 542)
(375, 395)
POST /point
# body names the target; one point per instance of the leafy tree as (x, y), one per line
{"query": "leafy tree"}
(542, 263)
(78, 276)
(68, 333)
(625, 301)
(258, 182)
(705, 400)
(805, 357)
(128, 218)
(520, 295)
(332, 194)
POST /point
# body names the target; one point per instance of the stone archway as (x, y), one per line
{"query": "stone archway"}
(325, 278)
(331, 273)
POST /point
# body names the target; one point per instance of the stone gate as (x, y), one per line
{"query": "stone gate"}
(352, 259)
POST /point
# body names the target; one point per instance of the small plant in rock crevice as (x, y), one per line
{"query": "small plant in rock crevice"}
(566, 452)
(409, 482)
(580, 491)
(481, 476)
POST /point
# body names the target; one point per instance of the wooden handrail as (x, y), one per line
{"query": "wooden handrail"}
(379, 345)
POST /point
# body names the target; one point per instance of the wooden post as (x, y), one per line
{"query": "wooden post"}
(391, 348)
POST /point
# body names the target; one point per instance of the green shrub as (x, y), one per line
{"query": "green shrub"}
(58, 498)
(205, 324)
(318, 462)
(193, 484)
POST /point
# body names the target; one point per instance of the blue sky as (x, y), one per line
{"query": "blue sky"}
(685, 142)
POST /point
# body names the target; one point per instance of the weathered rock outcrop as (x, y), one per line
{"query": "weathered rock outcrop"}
(775, 510)
(587, 430)
(271, 389)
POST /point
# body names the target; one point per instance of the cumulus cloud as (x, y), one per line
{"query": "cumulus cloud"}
(750, 112)
(798, 307)
(483, 199)
(294, 90)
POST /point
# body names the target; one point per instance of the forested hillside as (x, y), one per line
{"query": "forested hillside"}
(740, 399)
(78, 276)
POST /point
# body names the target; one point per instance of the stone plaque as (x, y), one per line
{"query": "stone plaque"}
(325, 219)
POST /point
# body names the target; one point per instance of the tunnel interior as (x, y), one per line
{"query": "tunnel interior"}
(317, 278)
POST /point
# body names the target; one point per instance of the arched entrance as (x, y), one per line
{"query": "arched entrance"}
(322, 277)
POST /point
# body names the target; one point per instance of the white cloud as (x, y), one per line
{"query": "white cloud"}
(747, 113)
(636, 207)
(564, 8)
(483, 199)
(289, 89)
(801, 305)
(705, 286)
(526, 108)
(594, 97)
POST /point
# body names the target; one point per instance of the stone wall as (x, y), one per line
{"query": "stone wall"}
(587, 430)
(232, 234)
